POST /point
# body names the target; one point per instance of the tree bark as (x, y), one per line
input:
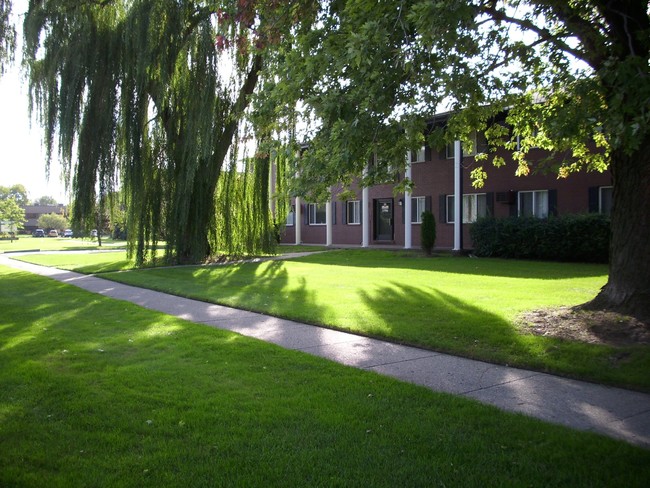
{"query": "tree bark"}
(628, 289)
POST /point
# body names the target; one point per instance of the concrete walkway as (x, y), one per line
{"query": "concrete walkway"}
(615, 412)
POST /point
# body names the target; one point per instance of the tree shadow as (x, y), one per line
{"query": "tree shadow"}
(507, 268)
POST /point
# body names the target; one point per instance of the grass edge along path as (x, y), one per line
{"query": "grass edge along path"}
(101, 392)
(458, 306)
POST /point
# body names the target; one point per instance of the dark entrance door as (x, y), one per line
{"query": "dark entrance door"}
(384, 219)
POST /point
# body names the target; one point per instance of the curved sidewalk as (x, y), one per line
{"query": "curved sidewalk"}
(615, 412)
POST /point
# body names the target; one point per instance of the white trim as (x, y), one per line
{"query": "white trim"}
(365, 214)
(408, 235)
(458, 192)
(328, 223)
(298, 225)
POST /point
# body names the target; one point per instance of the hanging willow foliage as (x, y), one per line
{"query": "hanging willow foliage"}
(150, 95)
(7, 35)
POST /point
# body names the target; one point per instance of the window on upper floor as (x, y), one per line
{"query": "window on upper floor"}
(479, 145)
(419, 156)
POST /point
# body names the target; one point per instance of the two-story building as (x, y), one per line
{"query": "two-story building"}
(442, 184)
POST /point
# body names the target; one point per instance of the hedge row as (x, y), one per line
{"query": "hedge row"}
(578, 238)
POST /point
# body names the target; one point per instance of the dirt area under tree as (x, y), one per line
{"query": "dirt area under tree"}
(594, 327)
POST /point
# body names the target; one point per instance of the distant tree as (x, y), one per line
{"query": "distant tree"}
(45, 200)
(53, 221)
(18, 192)
(12, 214)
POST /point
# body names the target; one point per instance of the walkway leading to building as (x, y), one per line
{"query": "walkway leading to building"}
(615, 412)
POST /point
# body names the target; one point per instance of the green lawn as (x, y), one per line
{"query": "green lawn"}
(462, 306)
(98, 392)
(29, 243)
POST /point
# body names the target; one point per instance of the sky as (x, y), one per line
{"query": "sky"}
(22, 158)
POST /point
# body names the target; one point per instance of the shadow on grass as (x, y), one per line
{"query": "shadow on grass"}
(509, 268)
(129, 397)
(450, 323)
(439, 321)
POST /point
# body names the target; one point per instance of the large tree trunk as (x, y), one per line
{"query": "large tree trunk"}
(628, 288)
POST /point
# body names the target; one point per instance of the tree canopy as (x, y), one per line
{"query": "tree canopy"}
(53, 221)
(45, 200)
(572, 76)
(12, 213)
(18, 192)
(153, 94)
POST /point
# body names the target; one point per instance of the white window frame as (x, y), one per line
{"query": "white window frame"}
(470, 207)
(354, 217)
(291, 216)
(600, 199)
(418, 205)
(313, 210)
(537, 194)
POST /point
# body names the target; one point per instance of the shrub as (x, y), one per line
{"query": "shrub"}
(428, 232)
(582, 238)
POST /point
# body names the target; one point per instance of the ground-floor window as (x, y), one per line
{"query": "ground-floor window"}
(353, 212)
(474, 207)
(533, 204)
(317, 214)
(605, 200)
(291, 216)
(417, 207)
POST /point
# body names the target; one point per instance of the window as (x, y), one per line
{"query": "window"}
(474, 207)
(353, 216)
(417, 207)
(605, 200)
(291, 216)
(533, 204)
(419, 156)
(317, 214)
(479, 145)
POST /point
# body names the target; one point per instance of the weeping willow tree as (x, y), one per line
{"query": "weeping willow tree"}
(7, 35)
(151, 95)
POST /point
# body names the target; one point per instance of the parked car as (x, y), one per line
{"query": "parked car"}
(67, 233)
(53, 233)
(39, 233)
(93, 233)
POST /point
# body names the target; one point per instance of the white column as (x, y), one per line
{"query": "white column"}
(297, 224)
(407, 208)
(365, 215)
(458, 198)
(328, 223)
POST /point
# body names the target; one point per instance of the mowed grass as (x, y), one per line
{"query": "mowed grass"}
(462, 306)
(29, 243)
(98, 392)
(82, 262)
